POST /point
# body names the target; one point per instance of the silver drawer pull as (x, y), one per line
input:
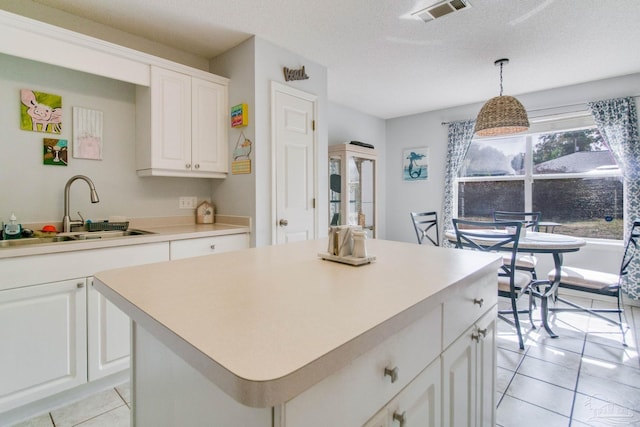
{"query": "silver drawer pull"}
(188, 166)
(480, 333)
(213, 247)
(401, 418)
(393, 373)
(478, 301)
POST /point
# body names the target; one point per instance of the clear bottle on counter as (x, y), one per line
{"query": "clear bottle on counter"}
(13, 230)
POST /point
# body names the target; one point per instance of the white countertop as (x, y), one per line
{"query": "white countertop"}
(264, 324)
(162, 229)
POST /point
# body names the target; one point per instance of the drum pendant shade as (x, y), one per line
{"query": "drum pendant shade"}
(502, 115)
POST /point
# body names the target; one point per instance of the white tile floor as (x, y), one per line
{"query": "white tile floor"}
(583, 378)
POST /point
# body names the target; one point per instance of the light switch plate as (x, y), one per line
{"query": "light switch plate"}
(187, 202)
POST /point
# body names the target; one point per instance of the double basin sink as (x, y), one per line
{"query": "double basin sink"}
(72, 237)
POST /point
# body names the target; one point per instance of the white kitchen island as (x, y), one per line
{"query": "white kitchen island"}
(277, 336)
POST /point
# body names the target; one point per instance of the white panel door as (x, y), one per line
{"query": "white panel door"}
(459, 382)
(294, 140)
(43, 334)
(419, 403)
(486, 365)
(209, 126)
(171, 119)
(109, 336)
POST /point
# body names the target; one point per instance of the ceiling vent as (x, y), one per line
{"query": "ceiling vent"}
(441, 9)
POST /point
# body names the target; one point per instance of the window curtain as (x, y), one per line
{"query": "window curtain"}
(459, 140)
(617, 121)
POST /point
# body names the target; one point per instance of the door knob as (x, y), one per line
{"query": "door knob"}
(283, 222)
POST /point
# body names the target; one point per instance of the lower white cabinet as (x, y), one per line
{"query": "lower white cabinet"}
(371, 381)
(60, 333)
(44, 341)
(468, 376)
(189, 248)
(418, 405)
(109, 335)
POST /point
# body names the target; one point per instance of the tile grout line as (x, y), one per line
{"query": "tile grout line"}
(575, 389)
(513, 376)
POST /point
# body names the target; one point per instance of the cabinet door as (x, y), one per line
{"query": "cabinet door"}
(109, 335)
(418, 405)
(459, 381)
(209, 127)
(379, 420)
(44, 329)
(486, 370)
(170, 120)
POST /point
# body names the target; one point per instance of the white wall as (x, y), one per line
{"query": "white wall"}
(235, 195)
(35, 191)
(252, 66)
(426, 129)
(270, 61)
(346, 124)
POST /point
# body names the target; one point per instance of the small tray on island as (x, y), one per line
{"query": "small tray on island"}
(350, 260)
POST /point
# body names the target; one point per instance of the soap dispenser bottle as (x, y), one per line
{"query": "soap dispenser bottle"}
(12, 230)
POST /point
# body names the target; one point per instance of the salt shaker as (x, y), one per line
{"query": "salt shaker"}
(359, 243)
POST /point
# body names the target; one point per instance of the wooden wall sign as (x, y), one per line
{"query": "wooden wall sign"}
(298, 74)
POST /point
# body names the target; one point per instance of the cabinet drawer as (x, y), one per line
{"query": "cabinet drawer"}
(208, 245)
(352, 395)
(462, 309)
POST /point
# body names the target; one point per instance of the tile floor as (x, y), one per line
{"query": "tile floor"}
(583, 378)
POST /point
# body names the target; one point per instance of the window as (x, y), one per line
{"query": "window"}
(567, 174)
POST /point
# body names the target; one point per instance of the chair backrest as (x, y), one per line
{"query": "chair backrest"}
(631, 248)
(426, 226)
(529, 219)
(488, 236)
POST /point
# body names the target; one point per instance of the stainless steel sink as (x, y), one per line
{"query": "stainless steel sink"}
(34, 241)
(89, 235)
(72, 237)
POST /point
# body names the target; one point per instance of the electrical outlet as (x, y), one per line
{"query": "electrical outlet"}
(187, 202)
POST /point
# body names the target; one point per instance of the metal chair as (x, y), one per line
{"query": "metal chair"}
(529, 220)
(600, 283)
(487, 237)
(426, 226)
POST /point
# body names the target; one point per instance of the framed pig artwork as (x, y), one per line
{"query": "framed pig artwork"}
(40, 112)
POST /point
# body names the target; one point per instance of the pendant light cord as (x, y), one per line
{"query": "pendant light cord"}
(501, 64)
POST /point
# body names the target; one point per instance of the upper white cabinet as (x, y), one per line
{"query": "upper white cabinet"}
(181, 125)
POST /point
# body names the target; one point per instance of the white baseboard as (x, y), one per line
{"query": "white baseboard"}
(61, 399)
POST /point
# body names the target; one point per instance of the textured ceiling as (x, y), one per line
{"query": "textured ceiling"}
(383, 62)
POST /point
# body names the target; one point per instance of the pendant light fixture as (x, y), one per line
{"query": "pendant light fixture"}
(502, 115)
